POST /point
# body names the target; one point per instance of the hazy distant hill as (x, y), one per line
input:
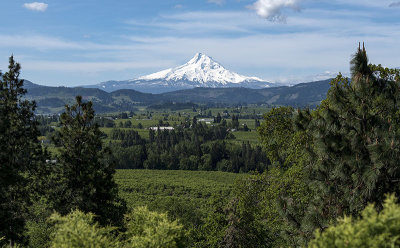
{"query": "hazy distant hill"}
(53, 99)
(304, 94)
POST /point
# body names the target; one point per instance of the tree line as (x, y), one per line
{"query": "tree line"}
(200, 147)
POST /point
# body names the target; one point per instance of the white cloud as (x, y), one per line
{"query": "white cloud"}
(36, 6)
(272, 9)
(219, 2)
(395, 4)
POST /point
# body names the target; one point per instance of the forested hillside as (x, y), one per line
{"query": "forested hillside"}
(51, 100)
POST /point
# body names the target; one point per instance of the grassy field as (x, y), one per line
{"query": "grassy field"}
(157, 187)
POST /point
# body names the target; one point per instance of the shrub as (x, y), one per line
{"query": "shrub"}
(79, 230)
(372, 229)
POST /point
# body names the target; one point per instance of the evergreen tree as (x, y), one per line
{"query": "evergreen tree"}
(256, 123)
(86, 168)
(356, 136)
(194, 122)
(151, 135)
(218, 118)
(20, 152)
(235, 122)
(128, 124)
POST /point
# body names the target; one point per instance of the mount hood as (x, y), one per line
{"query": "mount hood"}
(200, 71)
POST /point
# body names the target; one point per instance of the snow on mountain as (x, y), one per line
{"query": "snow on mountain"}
(200, 71)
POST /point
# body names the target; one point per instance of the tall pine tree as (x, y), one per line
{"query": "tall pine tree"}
(20, 152)
(356, 136)
(86, 168)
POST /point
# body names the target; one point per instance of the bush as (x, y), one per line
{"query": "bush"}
(144, 229)
(78, 230)
(152, 230)
(372, 229)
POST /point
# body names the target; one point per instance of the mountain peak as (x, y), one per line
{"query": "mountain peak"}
(201, 69)
(200, 57)
(204, 62)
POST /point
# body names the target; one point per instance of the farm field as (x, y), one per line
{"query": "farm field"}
(159, 188)
(242, 136)
(174, 118)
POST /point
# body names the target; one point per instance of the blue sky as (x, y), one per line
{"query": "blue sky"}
(80, 42)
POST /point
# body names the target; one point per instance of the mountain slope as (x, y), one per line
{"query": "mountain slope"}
(200, 71)
(300, 95)
(53, 99)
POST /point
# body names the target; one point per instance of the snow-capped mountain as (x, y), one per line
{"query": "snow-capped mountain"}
(200, 71)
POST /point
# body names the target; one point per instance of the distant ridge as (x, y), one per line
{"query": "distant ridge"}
(200, 71)
(52, 99)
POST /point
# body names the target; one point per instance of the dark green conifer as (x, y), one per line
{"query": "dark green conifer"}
(356, 136)
(20, 152)
(86, 168)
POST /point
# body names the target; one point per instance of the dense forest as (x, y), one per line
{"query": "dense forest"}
(322, 177)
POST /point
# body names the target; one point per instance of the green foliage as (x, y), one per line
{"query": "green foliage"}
(20, 152)
(38, 226)
(212, 230)
(372, 229)
(155, 187)
(273, 204)
(199, 147)
(276, 133)
(146, 229)
(235, 122)
(190, 196)
(356, 137)
(246, 227)
(286, 193)
(86, 169)
(79, 230)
